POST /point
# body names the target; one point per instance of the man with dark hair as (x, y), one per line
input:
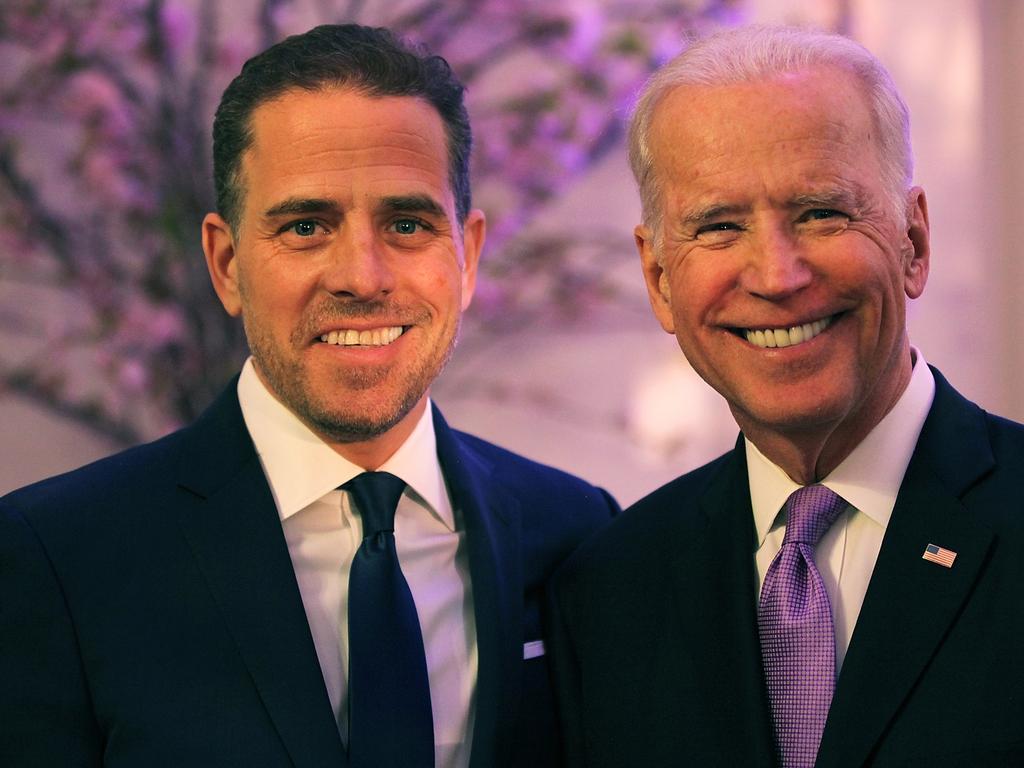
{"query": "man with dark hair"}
(844, 587)
(368, 60)
(319, 571)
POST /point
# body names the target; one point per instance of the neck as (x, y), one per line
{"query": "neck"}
(809, 453)
(806, 458)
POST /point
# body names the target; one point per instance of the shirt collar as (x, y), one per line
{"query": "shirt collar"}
(870, 477)
(301, 468)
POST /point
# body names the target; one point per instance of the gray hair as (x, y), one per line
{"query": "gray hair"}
(756, 52)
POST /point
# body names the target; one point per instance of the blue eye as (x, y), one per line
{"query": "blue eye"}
(305, 228)
(819, 214)
(718, 226)
(407, 226)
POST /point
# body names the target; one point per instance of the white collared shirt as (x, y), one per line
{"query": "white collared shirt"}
(869, 480)
(323, 531)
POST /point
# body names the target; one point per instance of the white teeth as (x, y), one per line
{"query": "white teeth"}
(378, 337)
(771, 338)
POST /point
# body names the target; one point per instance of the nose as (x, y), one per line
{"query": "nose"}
(776, 267)
(359, 266)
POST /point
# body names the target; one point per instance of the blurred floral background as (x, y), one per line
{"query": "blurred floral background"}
(105, 173)
(110, 333)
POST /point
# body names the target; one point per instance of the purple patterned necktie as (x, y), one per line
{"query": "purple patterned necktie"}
(795, 625)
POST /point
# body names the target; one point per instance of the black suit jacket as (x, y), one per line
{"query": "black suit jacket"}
(150, 616)
(655, 626)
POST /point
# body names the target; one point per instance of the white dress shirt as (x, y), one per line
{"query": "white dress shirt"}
(323, 531)
(869, 480)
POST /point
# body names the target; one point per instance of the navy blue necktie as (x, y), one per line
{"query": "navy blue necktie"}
(390, 719)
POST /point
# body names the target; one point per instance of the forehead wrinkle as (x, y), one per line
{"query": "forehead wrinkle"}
(350, 159)
(328, 138)
(314, 126)
(825, 174)
(344, 147)
(408, 181)
(850, 194)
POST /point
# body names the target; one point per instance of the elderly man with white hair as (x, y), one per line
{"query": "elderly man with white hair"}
(845, 587)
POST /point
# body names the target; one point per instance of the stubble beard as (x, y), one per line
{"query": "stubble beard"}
(290, 382)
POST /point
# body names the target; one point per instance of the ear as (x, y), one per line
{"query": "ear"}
(219, 247)
(658, 290)
(917, 248)
(474, 232)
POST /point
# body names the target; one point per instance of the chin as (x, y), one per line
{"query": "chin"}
(355, 425)
(341, 429)
(796, 417)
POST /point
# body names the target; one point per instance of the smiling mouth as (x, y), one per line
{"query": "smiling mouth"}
(378, 337)
(772, 338)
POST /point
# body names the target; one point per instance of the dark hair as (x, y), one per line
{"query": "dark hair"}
(370, 60)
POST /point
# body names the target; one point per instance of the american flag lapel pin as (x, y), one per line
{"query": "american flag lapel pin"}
(940, 555)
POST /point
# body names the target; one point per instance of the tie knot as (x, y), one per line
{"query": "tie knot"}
(376, 495)
(810, 511)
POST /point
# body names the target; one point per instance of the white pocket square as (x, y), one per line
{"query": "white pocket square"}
(533, 649)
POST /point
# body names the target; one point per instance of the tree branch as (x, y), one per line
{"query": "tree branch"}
(41, 219)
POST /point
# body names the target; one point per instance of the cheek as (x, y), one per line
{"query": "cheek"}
(699, 288)
(443, 288)
(268, 295)
(886, 282)
(875, 282)
(275, 300)
(858, 265)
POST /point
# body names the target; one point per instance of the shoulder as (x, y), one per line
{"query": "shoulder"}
(959, 430)
(684, 489)
(975, 457)
(552, 511)
(85, 515)
(107, 479)
(640, 539)
(139, 477)
(529, 478)
(1007, 436)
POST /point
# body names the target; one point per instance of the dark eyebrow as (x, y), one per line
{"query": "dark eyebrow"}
(300, 205)
(413, 204)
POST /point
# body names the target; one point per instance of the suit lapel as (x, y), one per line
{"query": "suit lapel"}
(231, 523)
(911, 602)
(716, 594)
(493, 539)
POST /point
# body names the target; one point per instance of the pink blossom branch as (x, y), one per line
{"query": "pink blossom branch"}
(27, 385)
(39, 217)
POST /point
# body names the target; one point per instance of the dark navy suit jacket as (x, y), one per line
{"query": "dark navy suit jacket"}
(150, 616)
(655, 625)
